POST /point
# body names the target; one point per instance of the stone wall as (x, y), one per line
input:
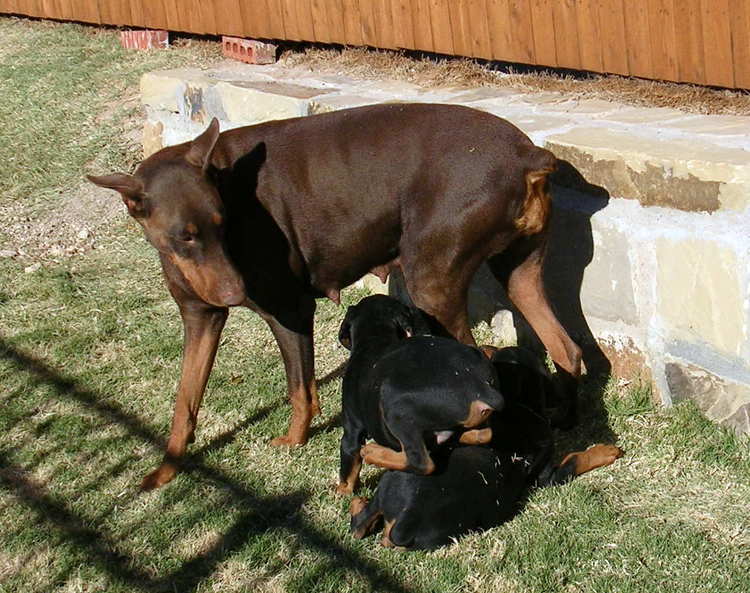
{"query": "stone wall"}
(648, 260)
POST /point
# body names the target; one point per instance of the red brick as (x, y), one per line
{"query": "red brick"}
(248, 50)
(144, 39)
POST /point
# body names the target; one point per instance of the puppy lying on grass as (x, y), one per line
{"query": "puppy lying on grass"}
(473, 487)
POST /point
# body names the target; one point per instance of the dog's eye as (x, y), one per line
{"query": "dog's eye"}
(187, 237)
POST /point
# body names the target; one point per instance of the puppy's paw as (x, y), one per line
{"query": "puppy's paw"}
(604, 454)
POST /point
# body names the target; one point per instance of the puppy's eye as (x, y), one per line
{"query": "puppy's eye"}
(187, 237)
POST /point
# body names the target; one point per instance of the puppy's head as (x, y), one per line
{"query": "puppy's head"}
(378, 315)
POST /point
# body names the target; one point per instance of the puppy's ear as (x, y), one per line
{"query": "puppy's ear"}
(419, 322)
(405, 324)
(345, 331)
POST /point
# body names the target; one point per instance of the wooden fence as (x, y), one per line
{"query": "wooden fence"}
(700, 41)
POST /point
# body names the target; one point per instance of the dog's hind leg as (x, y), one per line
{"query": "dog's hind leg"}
(580, 462)
(439, 287)
(519, 269)
(202, 327)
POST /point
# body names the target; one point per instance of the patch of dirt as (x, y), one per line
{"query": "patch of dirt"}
(464, 72)
(74, 225)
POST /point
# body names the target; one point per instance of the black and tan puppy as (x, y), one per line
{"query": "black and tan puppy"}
(408, 395)
(475, 488)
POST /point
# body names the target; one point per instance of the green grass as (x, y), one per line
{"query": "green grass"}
(89, 357)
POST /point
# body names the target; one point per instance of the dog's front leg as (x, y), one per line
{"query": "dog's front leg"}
(202, 327)
(299, 363)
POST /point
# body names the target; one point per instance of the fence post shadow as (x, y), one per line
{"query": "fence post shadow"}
(259, 512)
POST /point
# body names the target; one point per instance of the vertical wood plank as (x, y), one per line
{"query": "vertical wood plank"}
(86, 11)
(689, 42)
(479, 29)
(663, 43)
(254, 20)
(461, 35)
(289, 14)
(423, 38)
(66, 10)
(717, 42)
(274, 15)
(740, 18)
(137, 17)
(352, 22)
(543, 25)
(566, 33)
(511, 30)
(383, 17)
(305, 20)
(403, 26)
(171, 15)
(367, 23)
(228, 17)
(589, 37)
(320, 25)
(638, 39)
(113, 13)
(612, 27)
(442, 35)
(335, 12)
(50, 9)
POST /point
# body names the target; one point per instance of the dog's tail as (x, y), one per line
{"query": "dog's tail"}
(535, 209)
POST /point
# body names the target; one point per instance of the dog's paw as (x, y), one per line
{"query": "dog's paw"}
(160, 476)
(343, 489)
(605, 454)
(287, 441)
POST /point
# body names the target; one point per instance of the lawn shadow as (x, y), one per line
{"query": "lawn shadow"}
(103, 550)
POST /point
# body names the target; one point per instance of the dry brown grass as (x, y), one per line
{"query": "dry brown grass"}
(461, 72)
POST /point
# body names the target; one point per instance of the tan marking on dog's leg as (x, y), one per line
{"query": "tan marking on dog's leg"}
(593, 457)
(202, 332)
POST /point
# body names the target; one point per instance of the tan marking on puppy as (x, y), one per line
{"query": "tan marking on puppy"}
(191, 228)
(216, 218)
(357, 505)
(479, 411)
(488, 350)
(593, 457)
(476, 436)
(352, 480)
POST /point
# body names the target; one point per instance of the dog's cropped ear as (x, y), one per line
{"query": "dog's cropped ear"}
(345, 331)
(130, 188)
(203, 146)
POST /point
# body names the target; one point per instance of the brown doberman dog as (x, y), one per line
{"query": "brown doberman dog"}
(275, 215)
